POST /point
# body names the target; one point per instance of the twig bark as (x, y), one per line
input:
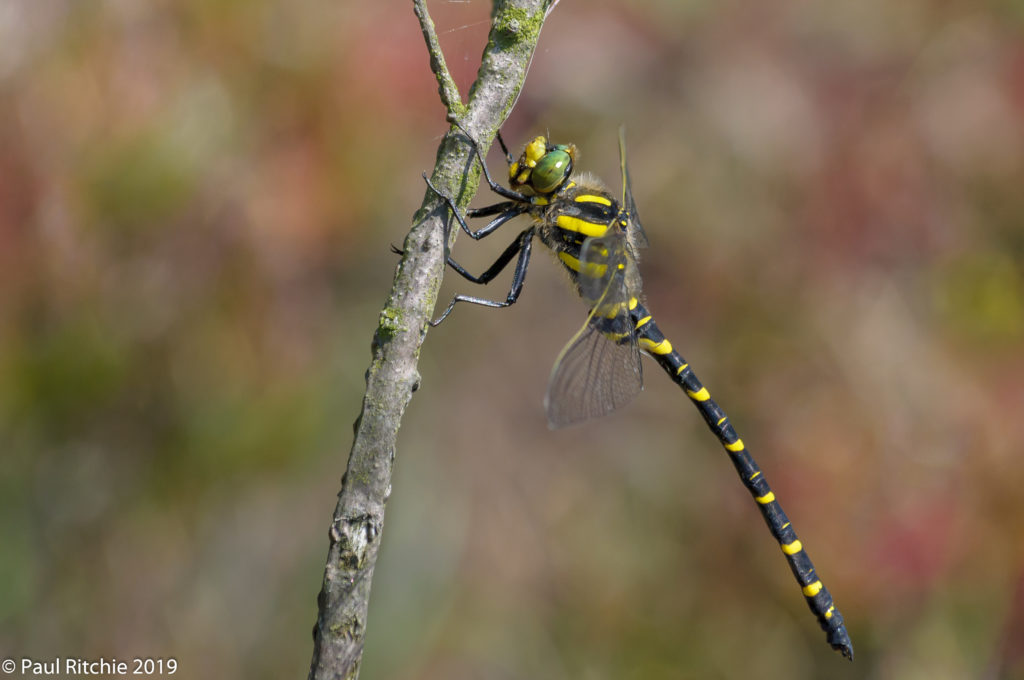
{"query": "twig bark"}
(392, 376)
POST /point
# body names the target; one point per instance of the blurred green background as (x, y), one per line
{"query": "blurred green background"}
(197, 199)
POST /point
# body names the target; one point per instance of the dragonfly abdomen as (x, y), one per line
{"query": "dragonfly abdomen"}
(653, 342)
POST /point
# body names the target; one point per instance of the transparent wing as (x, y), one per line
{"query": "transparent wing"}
(594, 374)
(599, 369)
(637, 237)
(608, 275)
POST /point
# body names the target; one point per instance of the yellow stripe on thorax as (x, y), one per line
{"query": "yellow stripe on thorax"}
(590, 198)
(569, 261)
(595, 271)
(577, 225)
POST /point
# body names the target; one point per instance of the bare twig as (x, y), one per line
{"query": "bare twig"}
(392, 377)
(446, 87)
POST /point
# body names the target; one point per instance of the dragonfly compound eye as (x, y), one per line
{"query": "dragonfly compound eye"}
(519, 172)
(552, 170)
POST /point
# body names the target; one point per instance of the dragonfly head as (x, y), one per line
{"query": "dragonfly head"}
(543, 168)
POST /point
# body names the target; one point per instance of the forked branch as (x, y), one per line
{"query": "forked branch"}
(392, 377)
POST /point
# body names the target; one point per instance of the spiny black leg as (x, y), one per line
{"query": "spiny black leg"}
(508, 210)
(494, 209)
(495, 187)
(501, 219)
(504, 149)
(498, 266)
(505, 211)
(451, 206)
(523, 245)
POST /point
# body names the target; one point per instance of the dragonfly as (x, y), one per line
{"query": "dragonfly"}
(596, 237)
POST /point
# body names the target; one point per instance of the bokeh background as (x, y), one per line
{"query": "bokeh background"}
(196, 204)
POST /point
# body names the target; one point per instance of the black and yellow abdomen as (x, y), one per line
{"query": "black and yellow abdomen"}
(652, 341)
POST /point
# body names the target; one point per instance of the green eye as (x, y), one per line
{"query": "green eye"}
(552, 170)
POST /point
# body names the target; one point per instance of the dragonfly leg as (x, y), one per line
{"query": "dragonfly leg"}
(505, 211)
(499, 265)
(495, 187)
(522, 246)
(504, 149)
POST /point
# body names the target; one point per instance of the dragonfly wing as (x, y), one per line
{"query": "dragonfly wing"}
(637, 236)
(608, 277)
(598, 371)
(607, 273)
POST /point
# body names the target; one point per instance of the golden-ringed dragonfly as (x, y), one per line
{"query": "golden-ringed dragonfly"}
(596, 237)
